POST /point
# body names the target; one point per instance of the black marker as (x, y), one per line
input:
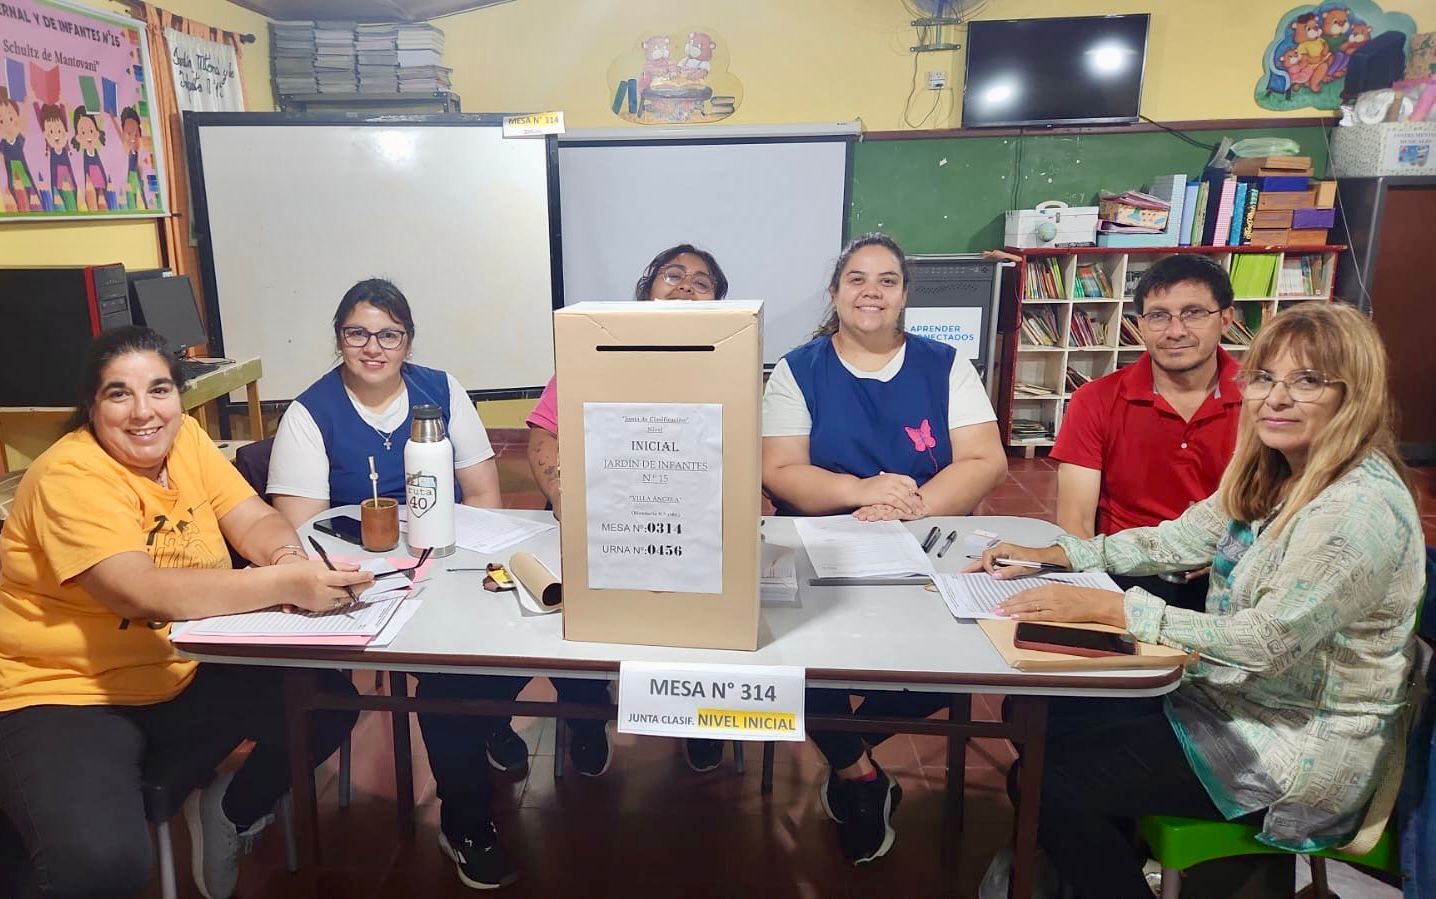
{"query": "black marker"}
(931, 539)
(946, 544)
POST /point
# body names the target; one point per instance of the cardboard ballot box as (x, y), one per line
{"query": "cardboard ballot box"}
(658, 407)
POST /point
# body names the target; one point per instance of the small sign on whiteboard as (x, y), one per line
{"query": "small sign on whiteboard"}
(961, 327)
(533, 124)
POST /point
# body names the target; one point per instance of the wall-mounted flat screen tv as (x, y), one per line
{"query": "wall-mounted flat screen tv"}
(1071, 71)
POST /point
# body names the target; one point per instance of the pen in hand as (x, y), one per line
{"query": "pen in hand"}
(947, 544)
(1024, 563)
(330, 565)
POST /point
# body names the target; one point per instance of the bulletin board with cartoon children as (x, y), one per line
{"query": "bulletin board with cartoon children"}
(1323, 55)
(76, 124)
(680, 78)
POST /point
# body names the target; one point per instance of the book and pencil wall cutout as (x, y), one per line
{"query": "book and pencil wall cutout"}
(1324, 54)
(674, 78)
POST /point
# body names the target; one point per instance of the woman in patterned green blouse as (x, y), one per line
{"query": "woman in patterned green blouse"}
(1293, 713)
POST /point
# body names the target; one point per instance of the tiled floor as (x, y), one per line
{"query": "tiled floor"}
(651, 827)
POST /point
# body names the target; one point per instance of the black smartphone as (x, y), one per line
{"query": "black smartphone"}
(345, 527)
(1073, 640)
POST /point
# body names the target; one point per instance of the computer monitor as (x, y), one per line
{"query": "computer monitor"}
(168, 307)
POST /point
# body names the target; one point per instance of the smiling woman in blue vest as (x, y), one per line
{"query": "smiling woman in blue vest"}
(363, 407)
(868, 419)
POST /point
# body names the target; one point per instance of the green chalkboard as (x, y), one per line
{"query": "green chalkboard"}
(948, 195)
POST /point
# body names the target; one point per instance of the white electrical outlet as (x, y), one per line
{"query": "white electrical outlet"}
(936, 81)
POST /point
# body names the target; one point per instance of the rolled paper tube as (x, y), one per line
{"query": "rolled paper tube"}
(541, 583)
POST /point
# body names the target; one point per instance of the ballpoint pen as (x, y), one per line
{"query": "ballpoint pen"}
(330, 565)
(1024, 563)
(947, 544)
(931, 539)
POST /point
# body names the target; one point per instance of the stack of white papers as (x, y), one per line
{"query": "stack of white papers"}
(977, 595)
(841, 546)
(486, 531)
(778, 578)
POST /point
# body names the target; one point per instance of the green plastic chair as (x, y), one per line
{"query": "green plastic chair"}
(1179, 843)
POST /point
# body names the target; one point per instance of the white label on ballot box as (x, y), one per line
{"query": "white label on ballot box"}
(654, 474)
(717, 702)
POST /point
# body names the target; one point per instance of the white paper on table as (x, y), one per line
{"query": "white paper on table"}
(653, 475)
(976, 595)
(487, 531)
(366, 618)
(778, 578)
(401, 616)
(842, 546)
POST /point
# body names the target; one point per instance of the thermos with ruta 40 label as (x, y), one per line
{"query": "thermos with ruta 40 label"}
(429, 484)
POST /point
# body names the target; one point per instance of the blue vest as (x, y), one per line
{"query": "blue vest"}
(862, 426)
(349, 440)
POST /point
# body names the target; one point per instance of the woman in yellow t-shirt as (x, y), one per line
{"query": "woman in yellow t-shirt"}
(117, 530)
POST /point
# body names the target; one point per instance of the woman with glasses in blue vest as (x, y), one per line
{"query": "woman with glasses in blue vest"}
(362, 408)
(870, 420)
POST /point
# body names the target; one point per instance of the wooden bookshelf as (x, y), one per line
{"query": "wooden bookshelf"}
(1033, 384)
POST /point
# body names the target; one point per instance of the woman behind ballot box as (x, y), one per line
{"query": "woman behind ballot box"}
(117, 530)
(362, 408)
(681, 272)
(870, 420)
(1292, 716)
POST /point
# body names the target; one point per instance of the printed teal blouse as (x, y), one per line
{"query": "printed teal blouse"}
(1306, 647)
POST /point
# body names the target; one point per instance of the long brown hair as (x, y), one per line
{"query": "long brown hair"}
(1340, 342)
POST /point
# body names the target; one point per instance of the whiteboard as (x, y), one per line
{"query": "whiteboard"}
(292, 213)
(772, 211)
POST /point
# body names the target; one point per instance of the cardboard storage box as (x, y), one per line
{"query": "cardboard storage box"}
(1074, 225)
(658, 410)
(1390, 148)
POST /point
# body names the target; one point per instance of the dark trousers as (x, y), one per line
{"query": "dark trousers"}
(456, 744)
(844, 748)
(70, 775)
(1190, 595)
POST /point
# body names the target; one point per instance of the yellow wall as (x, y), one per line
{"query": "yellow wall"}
(835, 60)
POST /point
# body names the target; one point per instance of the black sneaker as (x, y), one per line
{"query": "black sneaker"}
(481, 860)
(589, 747)
(507, 751)
(831, 795)
(866, 832)
(703, 755)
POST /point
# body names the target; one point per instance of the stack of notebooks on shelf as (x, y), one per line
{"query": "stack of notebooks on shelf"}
(1023, 389)
(377, 52)
(335, 58)
(331, 57)
(1040, 327)
(291, 57)
(421, 51)
(1262, 200)
(1030, 429)
(1253, 274)
(1303, 276)
(1044, 279)
(1092, 282)
(1076, 379)
(1131, 333)
(1085, 332)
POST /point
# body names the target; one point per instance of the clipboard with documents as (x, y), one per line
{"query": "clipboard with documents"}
(1149, 655)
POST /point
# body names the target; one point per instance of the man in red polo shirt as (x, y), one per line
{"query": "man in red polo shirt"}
(1140, 445)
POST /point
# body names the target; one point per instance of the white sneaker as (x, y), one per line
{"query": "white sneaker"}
(215, 843)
